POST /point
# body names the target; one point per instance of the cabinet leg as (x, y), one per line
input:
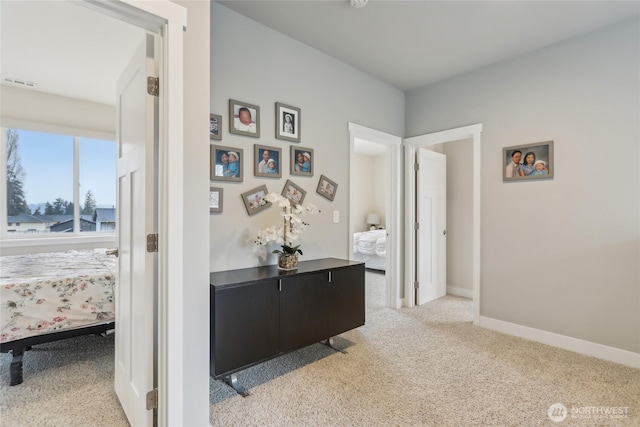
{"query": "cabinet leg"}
(232, 381)
(329, 344)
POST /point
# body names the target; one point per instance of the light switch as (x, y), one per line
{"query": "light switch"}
(336, 217)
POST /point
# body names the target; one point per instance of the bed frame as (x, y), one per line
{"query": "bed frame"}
(18, 347)
(54, 296)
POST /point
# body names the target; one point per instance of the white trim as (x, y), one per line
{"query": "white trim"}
(588, 348)
(460, 292)
(393, 202)
(169, 19)
(76, 184)
(171, 360)
(411, 145)
(86, 237)
(76, 134)
(3, 184)
(409, 234)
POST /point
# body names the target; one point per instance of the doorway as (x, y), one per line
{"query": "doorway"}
(413, 144)
(381, 205)
(168, 20)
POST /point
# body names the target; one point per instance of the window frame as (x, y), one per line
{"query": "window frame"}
(11, 240)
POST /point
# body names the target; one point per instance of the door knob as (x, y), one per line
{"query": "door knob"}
(113, 252)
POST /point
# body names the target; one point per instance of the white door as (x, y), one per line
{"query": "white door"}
(431, 246)
(136, 218)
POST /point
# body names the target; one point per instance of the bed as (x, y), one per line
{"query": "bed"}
(370, 247)
(51, 296)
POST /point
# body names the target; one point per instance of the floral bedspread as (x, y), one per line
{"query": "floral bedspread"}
(49, 292)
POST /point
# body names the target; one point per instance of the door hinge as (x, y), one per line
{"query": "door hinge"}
(153, 85)
(152, 399)
(152, 243)
(416, 166)
(416, 284)
(416, 226)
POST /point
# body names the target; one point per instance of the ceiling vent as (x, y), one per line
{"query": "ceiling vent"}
(359, 3)
(18, 82)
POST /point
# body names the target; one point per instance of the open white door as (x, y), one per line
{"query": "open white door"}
(431, 207)
(136, 218)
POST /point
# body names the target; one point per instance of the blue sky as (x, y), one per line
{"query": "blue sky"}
(47, 160)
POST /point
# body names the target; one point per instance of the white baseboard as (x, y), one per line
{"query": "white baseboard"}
(600, 351)
(460, 292)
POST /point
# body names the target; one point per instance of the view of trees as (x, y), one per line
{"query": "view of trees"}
(16, 200)
(89, 204)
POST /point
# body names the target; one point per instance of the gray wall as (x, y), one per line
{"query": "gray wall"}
(254, 64)
(559, 255)
(368, 189)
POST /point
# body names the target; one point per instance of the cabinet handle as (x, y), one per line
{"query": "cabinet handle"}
(329, 277)
(280, 285)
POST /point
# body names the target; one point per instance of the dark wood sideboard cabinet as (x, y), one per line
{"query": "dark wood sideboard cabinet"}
(260, 313)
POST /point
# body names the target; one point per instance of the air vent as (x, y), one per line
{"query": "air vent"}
(18, 82)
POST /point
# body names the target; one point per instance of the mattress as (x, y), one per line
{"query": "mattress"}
(370, 247)
(370, 242)
(50, 292)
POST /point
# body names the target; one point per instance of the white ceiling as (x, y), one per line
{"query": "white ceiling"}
(73, 51)
(64, 48)
(410, 44)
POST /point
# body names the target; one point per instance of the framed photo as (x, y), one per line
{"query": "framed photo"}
(254, 200)
(529, 161)
(244, 118)
(215, 126)
(215, 200)
(267, 161)
(226, 163)
(287, 122)
(326, 188)
(301, 161)
(294, 193)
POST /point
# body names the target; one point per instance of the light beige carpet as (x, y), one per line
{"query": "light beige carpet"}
(426, 366)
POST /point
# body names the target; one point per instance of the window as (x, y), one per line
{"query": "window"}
(58, 184)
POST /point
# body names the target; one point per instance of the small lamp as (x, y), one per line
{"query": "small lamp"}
(374, 220)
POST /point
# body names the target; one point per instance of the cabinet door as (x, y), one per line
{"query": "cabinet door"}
(246, 325)
(346, 299)
(303, 313)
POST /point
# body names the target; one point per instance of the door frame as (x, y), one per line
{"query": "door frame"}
(412, 144)
(393, 205)
(168, 20)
